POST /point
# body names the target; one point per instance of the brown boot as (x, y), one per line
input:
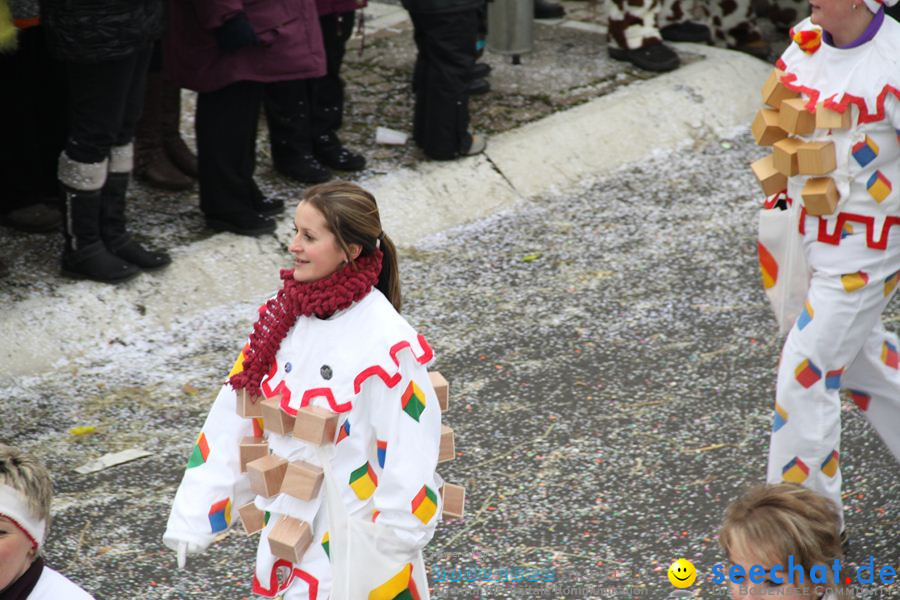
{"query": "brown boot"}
(179, 153)
(152, 164)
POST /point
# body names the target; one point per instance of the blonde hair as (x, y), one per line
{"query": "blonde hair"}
(352, 216)
(29, 477)
(785, 519)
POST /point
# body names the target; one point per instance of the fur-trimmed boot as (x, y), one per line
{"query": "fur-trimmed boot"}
(85, 256)
(112, 215)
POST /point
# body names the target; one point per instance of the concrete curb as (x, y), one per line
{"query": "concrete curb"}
(714, 95)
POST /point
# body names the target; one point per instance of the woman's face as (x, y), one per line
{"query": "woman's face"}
(15, 552)
(831, 15)
(768, 588)
(315, 248)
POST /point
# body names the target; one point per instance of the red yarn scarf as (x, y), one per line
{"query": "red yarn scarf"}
(321, 298)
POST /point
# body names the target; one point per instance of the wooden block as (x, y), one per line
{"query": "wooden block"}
(251, 449)
(769, 178)
(765, 127)
(784, 155)
(266, 474)
(816, 158)
(275, 419)
(248, 405)
(252, 518)
(831, 119)
(448, 448)
(454, 500)
(774, 92)
(441, 388)
(794, 118)
(820, 196)
(302, 480)
(316, 425)
(289, 539)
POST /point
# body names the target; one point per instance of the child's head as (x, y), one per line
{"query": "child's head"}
(771, 522)
(337, 222)
(25, 493)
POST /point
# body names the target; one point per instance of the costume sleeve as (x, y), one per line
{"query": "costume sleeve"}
(213, 487)
(892, 107)
(406, 419)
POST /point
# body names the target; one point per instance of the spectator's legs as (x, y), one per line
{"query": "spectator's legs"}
(226, 123)
(288, 114)
(446, 53)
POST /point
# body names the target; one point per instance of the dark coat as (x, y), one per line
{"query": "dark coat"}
(331, 7)
(288, 30)
(99, 30)
(441, 6)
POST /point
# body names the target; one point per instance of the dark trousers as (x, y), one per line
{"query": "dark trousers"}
(300, 114)
(105, 101)
(446, 54)
(33, 105)
(225, 123)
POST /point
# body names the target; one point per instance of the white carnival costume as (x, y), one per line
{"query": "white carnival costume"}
(368, 365)
(838, 341)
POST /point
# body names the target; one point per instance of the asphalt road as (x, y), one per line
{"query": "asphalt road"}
(612, 364)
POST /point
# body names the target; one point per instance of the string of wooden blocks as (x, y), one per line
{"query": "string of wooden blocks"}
(786, 116)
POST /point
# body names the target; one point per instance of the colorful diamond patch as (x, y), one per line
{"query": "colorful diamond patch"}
(424, 505)
(854, 281)
(781, 417)
(795, 471)
(413, 400)
(220, 515)
(239, 363)
(343, 432)
(846, 230)
(363, 481)
(401, 586)
(879, 186)
(767, 266)
(860, 399)
(806, 316)
(830, 464)
(258, 428)
(807, 373)
(808, 40)
(890, 283)
(833, 379)
(865, 151)
(200, 452)
(326, 545)
(382, 451)
(889, 355)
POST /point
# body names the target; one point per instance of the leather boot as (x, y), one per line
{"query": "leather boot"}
(170, 120)
(84, 255)
(328, 150)
(112, 218)
(153, 165)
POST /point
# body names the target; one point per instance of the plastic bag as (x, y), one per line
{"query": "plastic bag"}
(782, 263)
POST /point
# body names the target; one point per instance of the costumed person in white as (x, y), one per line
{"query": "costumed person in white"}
(331, 338)
(774, 525)
(25, 494)
(845, 59)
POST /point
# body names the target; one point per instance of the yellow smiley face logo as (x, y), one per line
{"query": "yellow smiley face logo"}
(682, 573)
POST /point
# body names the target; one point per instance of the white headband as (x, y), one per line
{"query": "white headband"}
(874, 5)
(14, 506)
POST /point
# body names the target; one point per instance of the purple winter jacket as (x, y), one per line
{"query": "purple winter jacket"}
(330, 7)
(288, 30)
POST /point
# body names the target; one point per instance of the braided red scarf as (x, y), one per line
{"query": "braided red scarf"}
(322, 298)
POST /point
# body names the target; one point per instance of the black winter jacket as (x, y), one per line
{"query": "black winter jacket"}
(100, 30)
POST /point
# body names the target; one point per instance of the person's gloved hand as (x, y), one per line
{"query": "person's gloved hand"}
(236, 33)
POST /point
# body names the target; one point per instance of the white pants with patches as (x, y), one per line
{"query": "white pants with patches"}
(838, 342)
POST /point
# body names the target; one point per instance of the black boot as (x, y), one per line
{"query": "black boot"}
(113, 231)
(544, 9)
(85, 256)
(329, 150)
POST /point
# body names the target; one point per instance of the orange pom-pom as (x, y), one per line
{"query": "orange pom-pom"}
(809, 40)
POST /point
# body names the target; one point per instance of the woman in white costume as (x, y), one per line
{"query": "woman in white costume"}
(845, 58)
(25, 494)
(331, 338)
